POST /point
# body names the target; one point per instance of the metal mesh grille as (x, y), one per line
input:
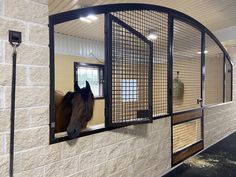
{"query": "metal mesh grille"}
(147, 22)
(228, 81)
(186, 134)
(130, 76)
(214, 72)
(186, 67)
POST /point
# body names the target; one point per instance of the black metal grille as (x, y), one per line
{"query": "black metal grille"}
(146, 22)
(186, 67)
(214, 72)
(131, 76)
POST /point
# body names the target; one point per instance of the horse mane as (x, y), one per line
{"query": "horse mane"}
(66, 101)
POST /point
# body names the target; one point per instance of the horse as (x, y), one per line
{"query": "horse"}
(74, 110)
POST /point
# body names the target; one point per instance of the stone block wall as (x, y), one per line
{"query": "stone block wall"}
(220, 121)
(134, 151)
(141, 150)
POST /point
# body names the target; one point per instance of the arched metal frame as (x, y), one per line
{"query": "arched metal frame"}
(107, 9)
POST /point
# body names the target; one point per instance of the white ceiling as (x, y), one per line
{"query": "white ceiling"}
(214, 14)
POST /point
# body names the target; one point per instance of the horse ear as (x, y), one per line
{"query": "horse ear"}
(76, 86)
(88, 86)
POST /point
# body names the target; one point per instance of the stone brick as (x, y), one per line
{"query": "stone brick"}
(104, 139)
(38, 157)
(69, 166)
(85, 173)
(116, 149)
(53, 170)
(27, 10)
(31, 138)
(41, 1)
(28, 55)
(4, 165)
(4, 144)
(6, 25)
(4, 120)
(22, 119)
(28, 97)
(2, 51)
(39, 116)
(39, 34)
(38, 76)
(77, 146)
(100, 170)
(38, 172)
(86, 160)
(118, 164)
(2, 98)
(5, 79)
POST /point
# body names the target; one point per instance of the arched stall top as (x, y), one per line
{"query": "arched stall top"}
(142, 61)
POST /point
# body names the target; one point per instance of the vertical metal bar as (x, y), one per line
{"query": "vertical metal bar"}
(203, 72)
(170, 75)
(150, 82)
(224, 74)
(232, 79)
(108, 70)
(170, 63)
(13, 94)
(203, 69)
(52, 86)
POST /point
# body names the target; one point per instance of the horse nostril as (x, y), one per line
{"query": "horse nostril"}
(73, 133)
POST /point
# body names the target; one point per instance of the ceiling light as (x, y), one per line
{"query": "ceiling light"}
(85, 19)
(204, 52)
(92, 17)
(152, 36)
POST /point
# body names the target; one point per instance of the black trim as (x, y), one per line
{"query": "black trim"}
(100, 130)
(52, 85)
(106, 9)
(224, 73)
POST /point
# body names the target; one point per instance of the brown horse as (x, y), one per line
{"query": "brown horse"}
(74, 110)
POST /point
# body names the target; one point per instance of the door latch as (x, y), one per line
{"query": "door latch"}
(199, 101)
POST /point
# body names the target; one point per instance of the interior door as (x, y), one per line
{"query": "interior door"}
(129, 74)
(187, 118)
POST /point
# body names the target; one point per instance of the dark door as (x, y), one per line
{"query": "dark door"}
(129, 74)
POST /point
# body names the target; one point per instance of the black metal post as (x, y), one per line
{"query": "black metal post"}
(170, 76)
(203, 73)
(13, 94)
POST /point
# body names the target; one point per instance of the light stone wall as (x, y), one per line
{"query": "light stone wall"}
(134, 151)
(140, 150)
(220, 121)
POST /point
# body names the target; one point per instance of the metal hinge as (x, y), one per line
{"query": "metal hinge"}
(53, 125)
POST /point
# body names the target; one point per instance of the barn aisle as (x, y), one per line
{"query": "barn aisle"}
(217, 161)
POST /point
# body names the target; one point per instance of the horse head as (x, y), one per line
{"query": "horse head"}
(82, 104)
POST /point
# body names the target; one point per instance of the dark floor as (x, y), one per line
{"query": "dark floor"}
(217, 161)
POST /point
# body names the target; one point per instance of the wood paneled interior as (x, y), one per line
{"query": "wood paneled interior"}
(182, 155)
(185, 134)
(187, 116)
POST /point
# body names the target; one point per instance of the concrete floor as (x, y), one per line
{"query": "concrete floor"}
(217, 161)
